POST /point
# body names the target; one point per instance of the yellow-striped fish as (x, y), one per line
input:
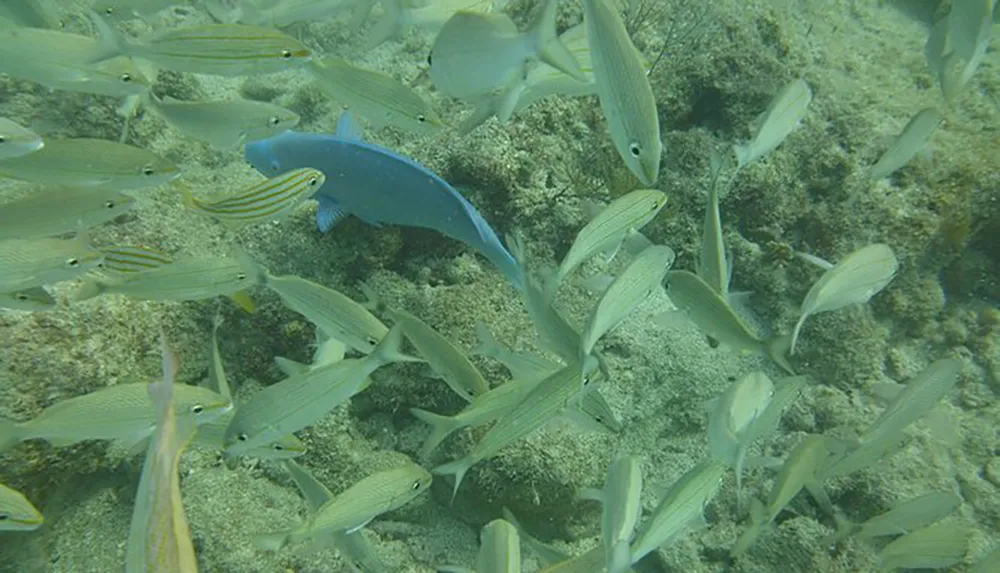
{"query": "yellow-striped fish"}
(216, 49)
(159, 539)
(89, 163)
(133, 259)
(267, 200)
(16, 140)
(16, 512)
(379, 98)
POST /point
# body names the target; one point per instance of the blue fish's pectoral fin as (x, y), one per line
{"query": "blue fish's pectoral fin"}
(328, 214)
(348, 127)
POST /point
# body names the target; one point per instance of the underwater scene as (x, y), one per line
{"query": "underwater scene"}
(499, 286)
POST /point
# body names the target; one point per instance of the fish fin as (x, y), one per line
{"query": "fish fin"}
(111, 42)
(457, 468)
(270, 541)
(845, 528)
(487, 345)
(549, 47)
(620, 558)
(510, 97)
(328, 214)
(289, 367)
(358, 527)
(348, 127)
(88, 290)
(243, 300)
(441, 428)
(795, 333)
(372, 302)
(815, 489)
(10, 434)
(478, 116)
(778, 351)
(753, 531)
(389, 349)
(389, 26)
(742, 153)
(591, 494)
(634, 242)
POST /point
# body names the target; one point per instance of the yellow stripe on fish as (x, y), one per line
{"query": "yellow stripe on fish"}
(268, 199)
(133, 259)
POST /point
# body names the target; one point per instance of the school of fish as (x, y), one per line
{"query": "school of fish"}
(480, 56)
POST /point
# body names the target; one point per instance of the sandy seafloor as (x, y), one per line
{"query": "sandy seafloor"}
(865, 63)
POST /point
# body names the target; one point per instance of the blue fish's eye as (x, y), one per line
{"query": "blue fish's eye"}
(275, 167)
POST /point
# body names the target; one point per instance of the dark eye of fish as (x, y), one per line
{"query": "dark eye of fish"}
(110, 204)
(634, 149)
(429, 58)
(372, 341)
(274, 121)
(415, 486)
(126, 77)
(242, 437)
(148, 171)
(21, 296)
(286, 54)
(313, 181)
(4, 517)
(279, 447)
(421, 118)
(241, 276)
(3, 139)
(197, 409)
(73, 262)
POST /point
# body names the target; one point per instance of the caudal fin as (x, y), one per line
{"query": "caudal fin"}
(618, 560)
(111, 43)
(390, 349)
(270, 541)
(457, 468)
(441, 428)
(10, 434)
(778, 351)
(389, 26)
(549, 47)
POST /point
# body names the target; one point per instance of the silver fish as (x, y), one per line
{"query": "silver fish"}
(28, 263)
(16, 140)
(34, 299)
(783, 116)
(224, 124)
(911, 141)
(58, 211)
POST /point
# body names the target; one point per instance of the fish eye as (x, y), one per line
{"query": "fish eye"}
(279, 447)
(21, 296)
(4, 517)
(429, 60)
(274, 120)
(313, 181)
(74, 262)
(415, 486)
(197, 409)
(126, 77)
(372, 341)
(635, 149)
(242, 437)
(109, 10)
(421, 118)
(3, 139)
(241, 276)
(147, 170)
(275, 167)
(109, 204)
(600, 419)
(286, 54)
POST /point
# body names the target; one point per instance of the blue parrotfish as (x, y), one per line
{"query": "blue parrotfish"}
(379, 186)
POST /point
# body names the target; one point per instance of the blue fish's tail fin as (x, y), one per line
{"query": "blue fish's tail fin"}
(548, 46)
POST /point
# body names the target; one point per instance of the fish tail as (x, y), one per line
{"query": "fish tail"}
(441, 428)
(549, 47)
(619, 558)
(289, 367)
(845, 528)
(88, 290)
(112, 43)
(390, 348)
(362, 9)
(271, 541)
(457, 468)
(10, 434)
(488, 344)
(389, 25)
(742, 155)
(778, 351)
(758, 520)
(795, 333)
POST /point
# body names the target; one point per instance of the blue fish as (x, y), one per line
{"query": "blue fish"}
(379, 186)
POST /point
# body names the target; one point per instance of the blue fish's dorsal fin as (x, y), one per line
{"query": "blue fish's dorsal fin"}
(328, 214)
(348, 127)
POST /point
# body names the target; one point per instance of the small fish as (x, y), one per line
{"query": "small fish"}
(622, 511)
(624, 92)
(732, 420)
(63, 61)
(28, 263)
(548, 399)
(607, 231)
(185, 279)
(681, 507)
(16, 141)
(16, 512)
(400, 15)
(379, 186)
(500, 55)
(933, 547)
(353, 547)
(379, 98)
(224, 124)
(783, 116)
(268, 200)
(34, 299)
(962, 44)
(133, 259)
(630, 288)
(500, 549)
(444, 357)
(911, 141)
(159, 539)
(334, 313)
(905, 517)
(303, 399)
(713, 316)
(120, 412)
(858, 277)
(90, 163)
(351, 510)
(58, 211)
(214, 49)
(712, 265)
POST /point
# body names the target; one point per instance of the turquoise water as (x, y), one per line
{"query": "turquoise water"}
(544, 175)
